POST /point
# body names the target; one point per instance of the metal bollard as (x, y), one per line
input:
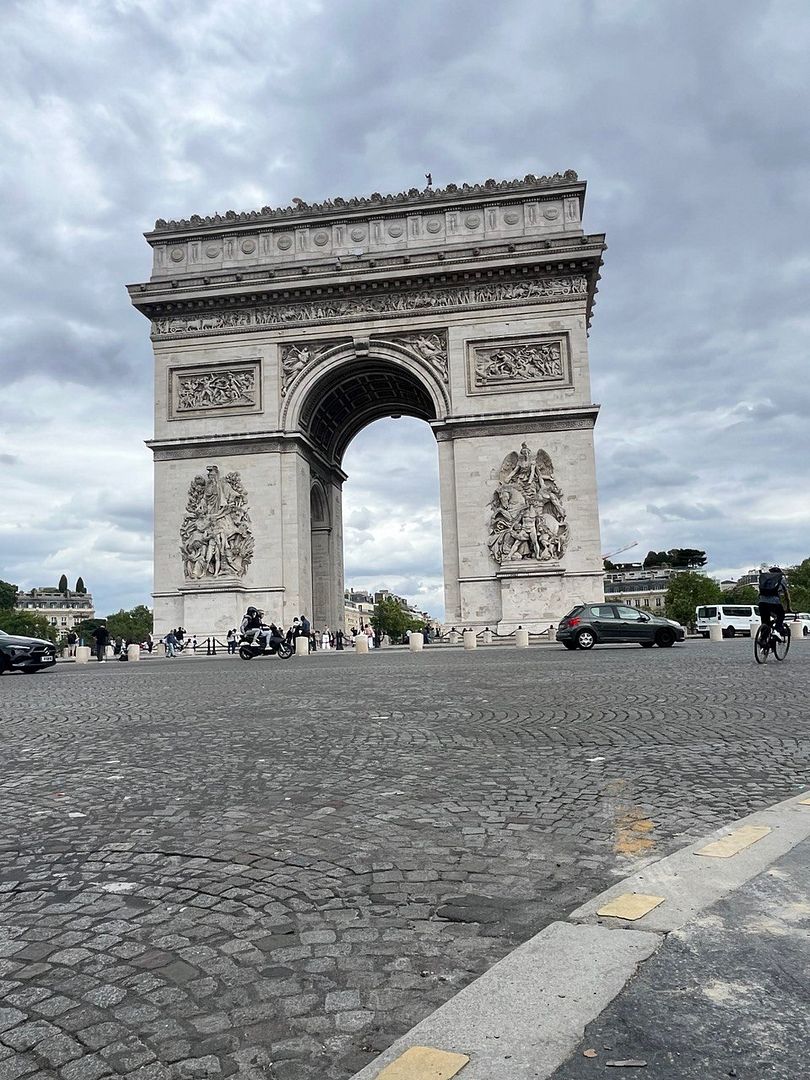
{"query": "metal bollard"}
(715, 632)
(302, 645)
(416, 642)
(469, 639)
(522, 638)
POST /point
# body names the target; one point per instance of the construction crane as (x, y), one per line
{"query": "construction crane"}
(618, 551)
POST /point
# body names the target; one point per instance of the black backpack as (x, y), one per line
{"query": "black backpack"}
(769, 583)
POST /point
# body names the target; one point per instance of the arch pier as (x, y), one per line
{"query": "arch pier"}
(278, 335)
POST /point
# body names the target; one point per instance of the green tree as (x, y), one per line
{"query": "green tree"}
(8, 595)
(131, 625)
(657, 558)
(741, 594)
(389, 618)
(63, 585)
(27, 624)
(686, 591)
(687, 557)
(799, 582)
(80, 586)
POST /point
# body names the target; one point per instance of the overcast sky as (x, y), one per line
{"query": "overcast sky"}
(688, 120)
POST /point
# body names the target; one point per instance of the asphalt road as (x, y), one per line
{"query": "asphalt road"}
(273, 869)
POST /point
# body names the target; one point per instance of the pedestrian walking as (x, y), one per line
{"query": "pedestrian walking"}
(231, 642)
(326, 640)
(170, 641)
(72, 641)
(102, 636)
(193, 643)
(338, 641)
(150, 642)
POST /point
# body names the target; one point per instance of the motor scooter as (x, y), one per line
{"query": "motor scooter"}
(251, 645)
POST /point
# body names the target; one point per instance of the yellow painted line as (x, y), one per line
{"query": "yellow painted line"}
(424, 1063)
(630, 905)
(735, 842)
(805, 802)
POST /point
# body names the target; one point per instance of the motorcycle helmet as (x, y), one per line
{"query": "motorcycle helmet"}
(252, 611)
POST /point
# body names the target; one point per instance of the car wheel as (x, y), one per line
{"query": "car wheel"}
(647, 644)
(665, 639)
(729, 631)
(570, 645)
(704, 635)
(586, 639)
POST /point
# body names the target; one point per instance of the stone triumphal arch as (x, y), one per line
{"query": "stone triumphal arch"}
(279, 334)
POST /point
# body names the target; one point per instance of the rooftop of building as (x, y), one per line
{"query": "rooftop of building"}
(299, 208)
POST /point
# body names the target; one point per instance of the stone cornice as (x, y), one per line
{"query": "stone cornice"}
(375, 203)
(517, 423)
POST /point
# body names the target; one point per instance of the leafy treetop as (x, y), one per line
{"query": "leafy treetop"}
(688, 590)
(390, 618)
(63, 585)
(80, 586)
(27, 624)
(8, 595)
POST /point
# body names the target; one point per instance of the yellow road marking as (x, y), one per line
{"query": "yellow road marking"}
(630, 906)
(805, 802)
(424, 1063)
(734, 842)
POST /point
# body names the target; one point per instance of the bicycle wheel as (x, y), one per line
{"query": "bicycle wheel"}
(781, 648)
(762, 644)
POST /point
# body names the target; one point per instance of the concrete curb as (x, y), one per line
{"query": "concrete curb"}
(524, 1016)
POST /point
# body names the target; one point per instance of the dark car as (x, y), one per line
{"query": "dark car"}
(603, 624)
(26, 654)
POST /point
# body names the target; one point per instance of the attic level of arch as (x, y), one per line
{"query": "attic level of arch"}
(588, 247)
(584, 268)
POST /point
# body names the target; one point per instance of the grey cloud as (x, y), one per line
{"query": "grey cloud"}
(698, 170)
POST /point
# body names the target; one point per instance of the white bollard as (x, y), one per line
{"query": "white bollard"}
(109, 652)
(301, 645)
(796, 631)
(754, 625)
(361, 644)
(416, 642)
(133, 652)
(453, 637)
(486, 637)
(469, 639)
(82, 654)
(522, 638)
(715, 632)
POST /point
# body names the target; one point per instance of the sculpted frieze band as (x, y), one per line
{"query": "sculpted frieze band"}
(393, 303)
(216, 390)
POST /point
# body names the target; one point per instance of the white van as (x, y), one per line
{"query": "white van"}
(734, 618)
(801, 617)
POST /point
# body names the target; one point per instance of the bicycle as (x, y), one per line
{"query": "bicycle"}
(766, 643)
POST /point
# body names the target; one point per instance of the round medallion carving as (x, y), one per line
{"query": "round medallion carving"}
(248, 246)
(358, 234)
(434, 226)
(285, 243)
(472, 221)
(321, 238)
(177, 254)
(395, 231)
(212, 251)
(551, 214)
(511, 217)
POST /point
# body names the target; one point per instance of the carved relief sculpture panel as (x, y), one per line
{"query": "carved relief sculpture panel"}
(518, 364)
(216, 539)
(214, 389)
(528, 517)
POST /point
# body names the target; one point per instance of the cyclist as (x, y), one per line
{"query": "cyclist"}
(772, 587)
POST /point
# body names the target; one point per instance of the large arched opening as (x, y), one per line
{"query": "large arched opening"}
(330, 408)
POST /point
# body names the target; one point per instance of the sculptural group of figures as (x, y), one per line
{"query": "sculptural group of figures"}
(528, 519)
(215, 537)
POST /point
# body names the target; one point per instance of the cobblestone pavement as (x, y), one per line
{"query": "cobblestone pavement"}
(214, 868)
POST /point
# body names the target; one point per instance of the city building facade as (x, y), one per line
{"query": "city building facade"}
(64, 610)
(632, 584)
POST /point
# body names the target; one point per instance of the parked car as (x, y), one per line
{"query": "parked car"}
(604, 624)
(802, 618)
(25, 654)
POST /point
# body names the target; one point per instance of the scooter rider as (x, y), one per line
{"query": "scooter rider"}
(253, 621)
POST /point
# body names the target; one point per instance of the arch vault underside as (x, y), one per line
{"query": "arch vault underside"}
(279, 336)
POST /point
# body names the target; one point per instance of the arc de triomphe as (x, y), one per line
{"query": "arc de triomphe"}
(279, 334)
